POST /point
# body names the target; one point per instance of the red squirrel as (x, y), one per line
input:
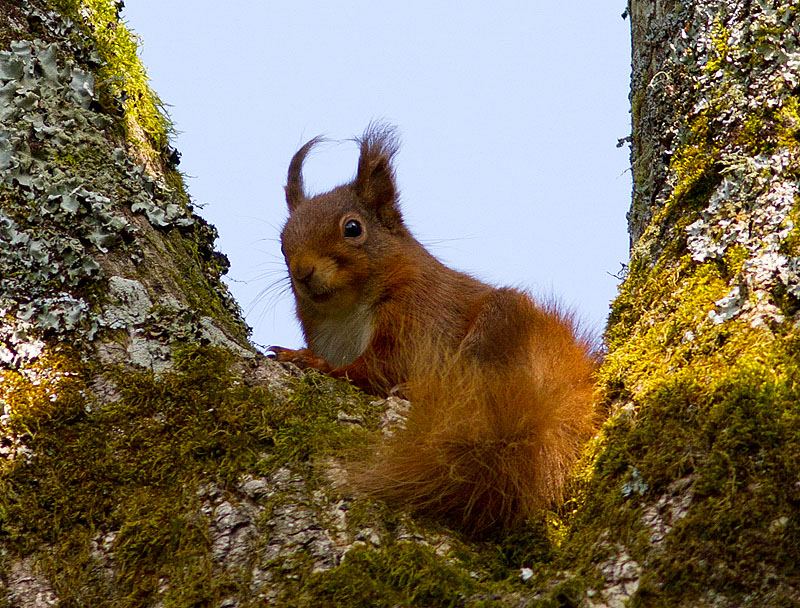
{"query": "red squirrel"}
(501, 386)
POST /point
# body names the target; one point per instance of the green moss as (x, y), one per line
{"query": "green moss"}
(732, 431)
(788, 123)
(532, 544)
(719, 48)
(711, 404)
(134, 466)
(695, 475)
(195, 264)
(791, 244)
(568, 594)
(405, 574)
(696, 171)
(753, 135)
(767, 129)
(694, 162)
(56, 394)
(122, 75)
(654, 321)
(735, 256)
(745, 460)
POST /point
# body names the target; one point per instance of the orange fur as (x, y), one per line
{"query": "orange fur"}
(501, 387)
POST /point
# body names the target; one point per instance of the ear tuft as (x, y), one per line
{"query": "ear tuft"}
(374, 184)
(294, 184)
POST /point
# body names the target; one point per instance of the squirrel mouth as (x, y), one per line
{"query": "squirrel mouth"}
(319, 294)
(322, 297)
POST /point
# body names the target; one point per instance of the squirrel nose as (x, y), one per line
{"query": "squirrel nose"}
(302, 272)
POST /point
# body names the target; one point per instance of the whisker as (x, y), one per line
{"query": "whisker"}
(268, 298)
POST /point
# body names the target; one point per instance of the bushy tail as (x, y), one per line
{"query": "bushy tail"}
(488, 445)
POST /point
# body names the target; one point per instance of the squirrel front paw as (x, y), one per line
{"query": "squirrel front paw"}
(302, 358)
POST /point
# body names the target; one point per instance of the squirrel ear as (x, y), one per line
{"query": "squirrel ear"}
(374, 184)
(294, 183)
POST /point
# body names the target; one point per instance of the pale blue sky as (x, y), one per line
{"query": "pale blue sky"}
(509, 112)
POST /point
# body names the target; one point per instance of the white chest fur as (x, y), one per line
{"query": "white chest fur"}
(340, 339)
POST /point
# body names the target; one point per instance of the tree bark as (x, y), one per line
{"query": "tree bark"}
(149, 456)
(698, 474)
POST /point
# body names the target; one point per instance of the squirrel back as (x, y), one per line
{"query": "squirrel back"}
(501, 386)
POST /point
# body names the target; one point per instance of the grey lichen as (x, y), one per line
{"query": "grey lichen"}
(731, 63)
(76, 211)
(130, 304)
(751, 209)
(216, 337)
(635, 485)
(732, 155)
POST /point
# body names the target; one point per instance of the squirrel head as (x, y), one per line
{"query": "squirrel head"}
(335, 243)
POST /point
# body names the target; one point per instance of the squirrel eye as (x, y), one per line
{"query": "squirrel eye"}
(352, 229)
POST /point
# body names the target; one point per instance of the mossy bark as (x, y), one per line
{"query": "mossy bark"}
(697, 476)
(150, 457)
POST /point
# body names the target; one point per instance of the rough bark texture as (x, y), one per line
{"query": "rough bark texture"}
(702, 368)
(149, 457)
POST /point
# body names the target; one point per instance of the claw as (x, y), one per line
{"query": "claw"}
(274, 352)
(279, 353)
(301, 358)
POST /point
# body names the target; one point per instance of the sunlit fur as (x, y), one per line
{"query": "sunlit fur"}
(501, 386)
(488, 444)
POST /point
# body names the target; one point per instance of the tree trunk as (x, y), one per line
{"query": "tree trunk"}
(150, 457)
(697, 479)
